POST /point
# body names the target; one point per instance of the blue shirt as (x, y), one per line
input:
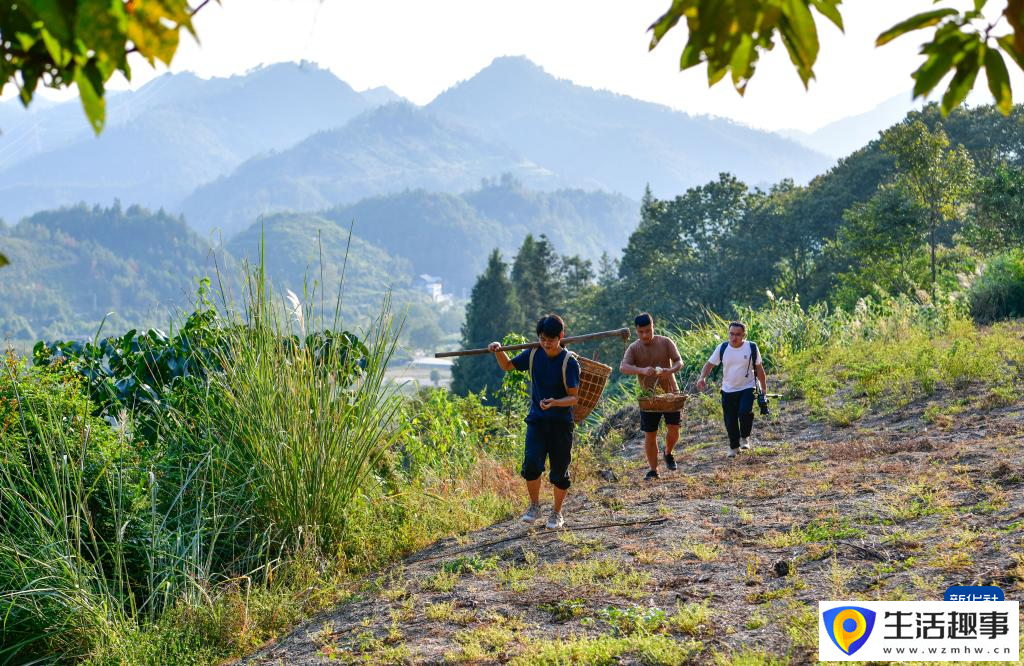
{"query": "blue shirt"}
(547, 383)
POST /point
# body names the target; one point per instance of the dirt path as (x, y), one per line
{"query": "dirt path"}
(733, 556)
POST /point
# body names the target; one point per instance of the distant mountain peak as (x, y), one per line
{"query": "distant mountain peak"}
(505, 76)
(514, 64)
(381, 95)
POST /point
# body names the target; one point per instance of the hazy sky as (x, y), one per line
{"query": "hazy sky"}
(419, 48)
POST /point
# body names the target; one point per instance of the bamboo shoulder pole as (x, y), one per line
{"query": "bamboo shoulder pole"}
(621, 332)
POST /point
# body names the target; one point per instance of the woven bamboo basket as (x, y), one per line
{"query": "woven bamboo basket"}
(593, 377)
(663, 402)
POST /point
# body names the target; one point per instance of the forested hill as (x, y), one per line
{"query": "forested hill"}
(385, 150)
(877, 225)
(72, 267)
(451, 235)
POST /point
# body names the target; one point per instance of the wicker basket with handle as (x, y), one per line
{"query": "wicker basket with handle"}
(593, 377)
(663, 402)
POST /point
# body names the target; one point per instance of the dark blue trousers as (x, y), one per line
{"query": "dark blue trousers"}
(551, 440)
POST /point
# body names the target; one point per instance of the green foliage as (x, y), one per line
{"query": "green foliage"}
(998, 293)
(877, 247)
(730, 36)
(734, 43)
(298, 440)
(998, 219)
(546, 282)
(444, 435)
(514, 394)
(634, 620)
(269, 456)
(85, 43)
(781, 329)
(892, 352)
(673, 262)
(493, 311)
(74, 505)
(536, 279)
(935, 177)
(136, 370)
(655, 649)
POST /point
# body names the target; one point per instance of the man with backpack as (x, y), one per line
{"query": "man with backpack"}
(742, 372)
(554, 383)
(654, 359)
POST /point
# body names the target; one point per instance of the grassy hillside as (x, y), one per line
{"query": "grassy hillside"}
(891, 470)
(313, 249)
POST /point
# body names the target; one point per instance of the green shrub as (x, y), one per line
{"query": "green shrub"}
(998, 293)
(73, 517)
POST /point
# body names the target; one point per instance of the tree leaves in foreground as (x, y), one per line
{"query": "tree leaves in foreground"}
(84, 42)
(730, 35)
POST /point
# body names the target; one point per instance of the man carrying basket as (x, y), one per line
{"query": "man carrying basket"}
(554, 380)
(654, 359)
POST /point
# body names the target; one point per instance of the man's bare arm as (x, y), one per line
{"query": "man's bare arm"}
(501, 357)
(567, 401)
(705, 371)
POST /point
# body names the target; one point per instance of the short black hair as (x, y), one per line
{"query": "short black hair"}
(551, 325)
(738, 323)
(643, 319)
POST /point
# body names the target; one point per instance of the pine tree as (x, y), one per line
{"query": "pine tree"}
(536, 275)
(492, 312)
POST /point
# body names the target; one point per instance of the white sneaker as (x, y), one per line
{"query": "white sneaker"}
(732, 452)
(532, 513)
(744, 443)
(555, 520)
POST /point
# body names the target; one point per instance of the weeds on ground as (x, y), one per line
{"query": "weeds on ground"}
(828, 529)
(487, 642)
(748, 657)
(654, 649)
(705, 552)
(448, 613)
(611, 576)
(516, 578)
(564, 610)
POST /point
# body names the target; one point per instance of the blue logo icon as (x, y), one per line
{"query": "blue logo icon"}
(849, 627)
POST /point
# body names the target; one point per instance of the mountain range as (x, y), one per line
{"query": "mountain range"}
(166, 139)
(293, 137)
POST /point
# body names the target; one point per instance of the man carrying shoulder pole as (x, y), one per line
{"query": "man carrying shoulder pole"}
(654, 359)
(742, 370)
(554, 385)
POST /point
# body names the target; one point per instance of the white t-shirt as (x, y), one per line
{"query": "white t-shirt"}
(737, 373)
